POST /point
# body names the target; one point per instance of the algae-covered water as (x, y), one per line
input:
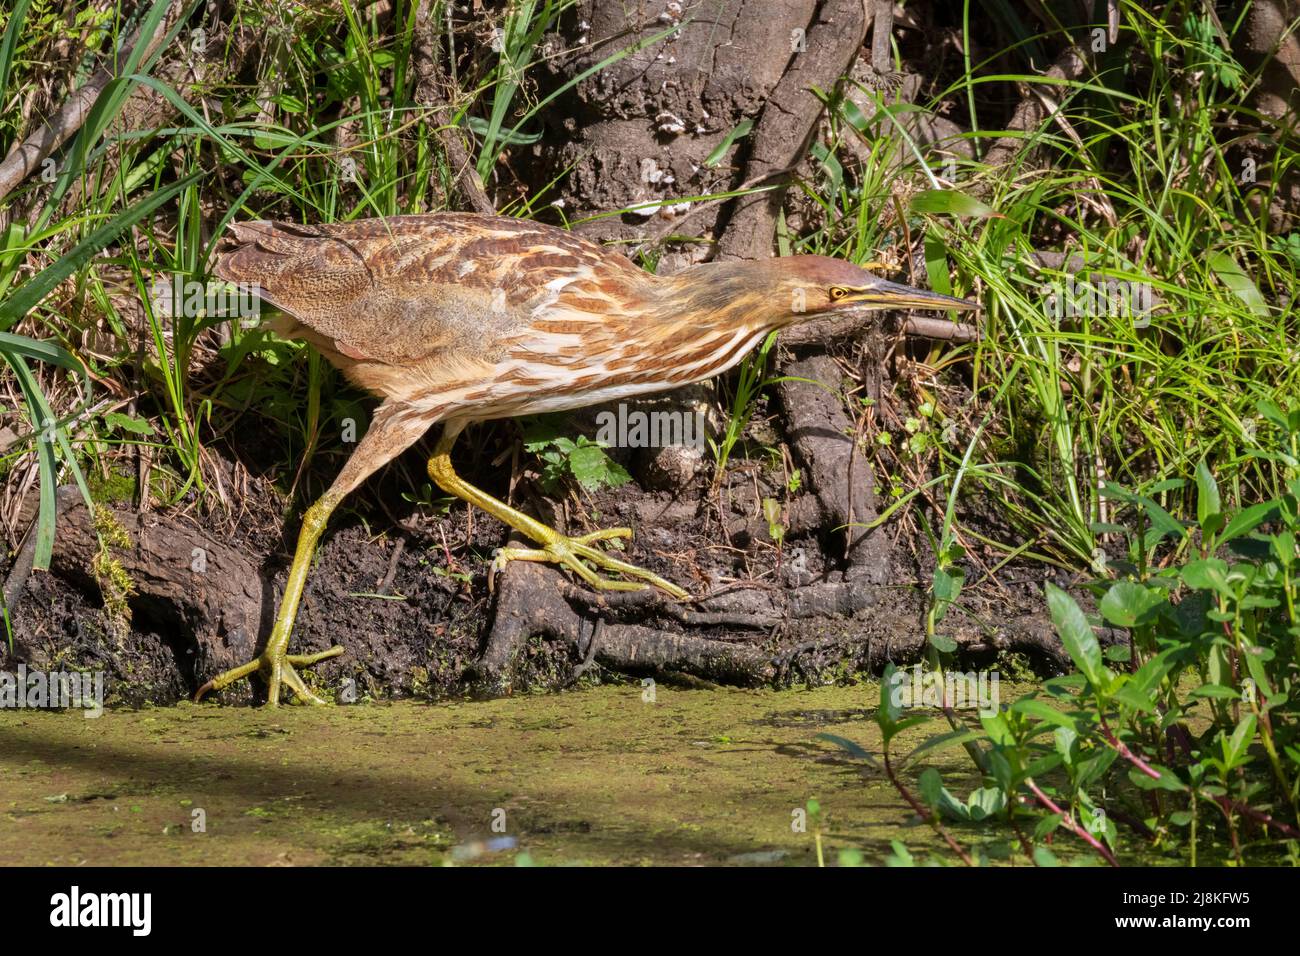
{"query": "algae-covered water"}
(599, 776)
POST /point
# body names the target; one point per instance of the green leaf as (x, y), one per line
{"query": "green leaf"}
(936, 795)
(1283, 545)
(952, 202)
(289, 103)
(890, 708)
(1128, 603)
(593, 469)
(1234, 747)
(942, 643)
(1077, 635)
(137, 426)
(1248, 520)
(1274, 414)
(936, 263)
(900, 857)
(1135, 697)
(1237, 281)
(1032, 707)
(850, 747)
(1207, 574)
(947, 587)
(1162, 522)
(941, 742)
(1207, 493)
(740, 131)
(1216, 692)
(985, 802)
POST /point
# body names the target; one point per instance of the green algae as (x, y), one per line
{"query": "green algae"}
(598, 776)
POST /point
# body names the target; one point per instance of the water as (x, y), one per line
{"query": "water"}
(599, 776)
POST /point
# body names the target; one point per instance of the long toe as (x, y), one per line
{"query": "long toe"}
(280, 671)
(607, 563)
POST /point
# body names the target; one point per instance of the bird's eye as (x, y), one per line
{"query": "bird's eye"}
(838, 293)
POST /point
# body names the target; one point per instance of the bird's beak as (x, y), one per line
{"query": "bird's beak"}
(894, 295)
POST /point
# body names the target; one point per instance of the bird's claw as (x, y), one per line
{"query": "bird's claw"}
(277, 669)
(578, 555)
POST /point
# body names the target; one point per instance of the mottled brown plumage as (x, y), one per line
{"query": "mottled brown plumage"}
(456, 318)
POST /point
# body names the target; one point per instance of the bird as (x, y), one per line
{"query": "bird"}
(454, 318)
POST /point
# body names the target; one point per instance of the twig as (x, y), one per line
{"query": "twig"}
(1067, 821)
(434, 90)
(921, 812)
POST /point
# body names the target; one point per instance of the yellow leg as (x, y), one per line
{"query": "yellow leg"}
(576, 553)
(391, 431)
(275, 664)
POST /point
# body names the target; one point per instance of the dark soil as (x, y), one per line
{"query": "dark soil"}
(403, 587)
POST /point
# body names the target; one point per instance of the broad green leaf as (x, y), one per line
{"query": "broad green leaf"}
(952, 202)
(1237, 281)
(1234, 747)
(593, 469)
(1077, 635)
(985, 802)
(936, 795)
(947, 587)
(1128, 603)
(1207, 574)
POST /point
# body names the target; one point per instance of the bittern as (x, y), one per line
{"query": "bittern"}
(458, 318)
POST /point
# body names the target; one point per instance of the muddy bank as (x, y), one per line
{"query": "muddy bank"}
(403, 586)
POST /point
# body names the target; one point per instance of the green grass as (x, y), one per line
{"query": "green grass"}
(1146, 191)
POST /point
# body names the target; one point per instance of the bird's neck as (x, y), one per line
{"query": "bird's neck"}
(721, 293)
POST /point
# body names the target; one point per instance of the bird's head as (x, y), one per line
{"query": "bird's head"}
(816, 286)
(773, 293)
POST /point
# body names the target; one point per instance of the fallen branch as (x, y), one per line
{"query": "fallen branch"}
(24, 158)
(434, 90)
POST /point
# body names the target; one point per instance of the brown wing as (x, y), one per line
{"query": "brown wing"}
(417, 290)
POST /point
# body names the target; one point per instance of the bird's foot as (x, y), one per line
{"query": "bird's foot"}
(278, 669)
(579, 556)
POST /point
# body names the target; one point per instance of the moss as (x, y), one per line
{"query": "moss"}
(115, 584)
(113, 488)
(596, 776)
(1016, 667)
